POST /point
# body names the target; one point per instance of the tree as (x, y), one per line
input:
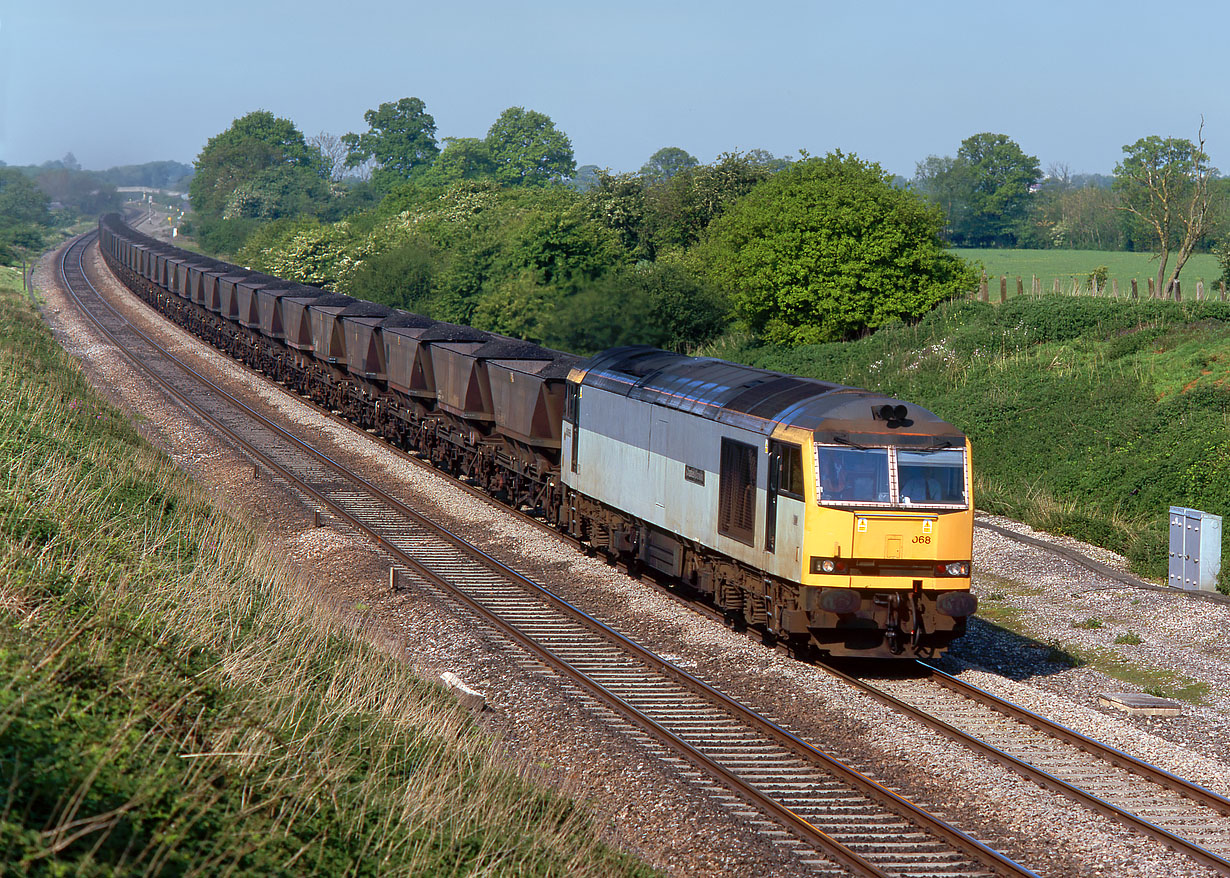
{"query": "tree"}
(528, 150)
(79, 191)
(944, 182)
(260, 168)
(1077, 217)
(463, 158)
(984, 192)
(21, 202)
(1164, 185)
(401, 138)
(680, 208)
(666, 163)
(827, 249)
(585, 179)
(400, 277)
(660, 304)
(617, 201)
(1000, 176)
(24, 217)
(254, 145)
(334, 152)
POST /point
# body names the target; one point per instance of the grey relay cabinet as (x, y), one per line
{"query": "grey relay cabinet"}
(1195, 549)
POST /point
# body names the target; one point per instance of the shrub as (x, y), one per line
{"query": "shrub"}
(827, 249)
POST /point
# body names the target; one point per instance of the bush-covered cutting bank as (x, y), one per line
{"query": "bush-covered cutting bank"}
(1088, 416)
(173, 702)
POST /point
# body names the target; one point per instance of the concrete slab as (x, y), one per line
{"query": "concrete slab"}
(475, 701)
(1140, 703)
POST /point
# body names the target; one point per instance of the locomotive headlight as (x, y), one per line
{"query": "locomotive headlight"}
(828, 565)
(957, 568)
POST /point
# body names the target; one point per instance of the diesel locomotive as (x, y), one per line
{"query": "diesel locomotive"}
(835, 519)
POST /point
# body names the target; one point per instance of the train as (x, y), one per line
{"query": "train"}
(833, 520)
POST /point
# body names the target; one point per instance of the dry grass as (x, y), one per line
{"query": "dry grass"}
(174, 701)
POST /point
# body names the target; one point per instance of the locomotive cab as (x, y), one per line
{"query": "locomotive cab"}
(889, 542)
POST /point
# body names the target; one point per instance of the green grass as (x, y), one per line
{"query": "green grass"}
(1068, 264)
(1088, 416)
(173, 701)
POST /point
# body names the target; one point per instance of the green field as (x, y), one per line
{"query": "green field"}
(1069, 264)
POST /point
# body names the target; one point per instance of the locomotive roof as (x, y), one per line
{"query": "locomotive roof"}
(759, 399)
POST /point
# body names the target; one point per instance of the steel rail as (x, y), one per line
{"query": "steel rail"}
(1040, 776)
(962, 842)
(1126, 761)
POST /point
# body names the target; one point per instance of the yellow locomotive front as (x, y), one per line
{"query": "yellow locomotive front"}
(887, 533)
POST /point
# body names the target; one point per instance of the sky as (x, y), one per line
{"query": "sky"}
(1072, 82)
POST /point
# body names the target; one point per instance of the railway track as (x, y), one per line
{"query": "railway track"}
(836, 820)
(1185, 816)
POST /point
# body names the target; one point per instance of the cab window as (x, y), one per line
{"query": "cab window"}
(927, 477)
(853, 475)
(790, 479)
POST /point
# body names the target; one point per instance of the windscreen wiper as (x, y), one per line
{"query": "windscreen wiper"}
(844, 441)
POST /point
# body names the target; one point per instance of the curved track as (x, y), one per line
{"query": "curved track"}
(838, 820)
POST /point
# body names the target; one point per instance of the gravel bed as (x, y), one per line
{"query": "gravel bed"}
(647, 807)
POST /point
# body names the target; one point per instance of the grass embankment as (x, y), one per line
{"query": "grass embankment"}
(1088, 416)
(173, 702)
(1079, 264)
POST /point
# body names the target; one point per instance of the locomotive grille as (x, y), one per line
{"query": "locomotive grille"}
(737, 492)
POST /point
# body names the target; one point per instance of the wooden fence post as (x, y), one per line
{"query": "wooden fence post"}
(1056, 286)
(1199, 291)
(1152, 289)
(1003, 288)
(1221, 285)
(1178, 292)
(1020, 286)
(982, 288)
(1135, 291)
(1114, 288)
